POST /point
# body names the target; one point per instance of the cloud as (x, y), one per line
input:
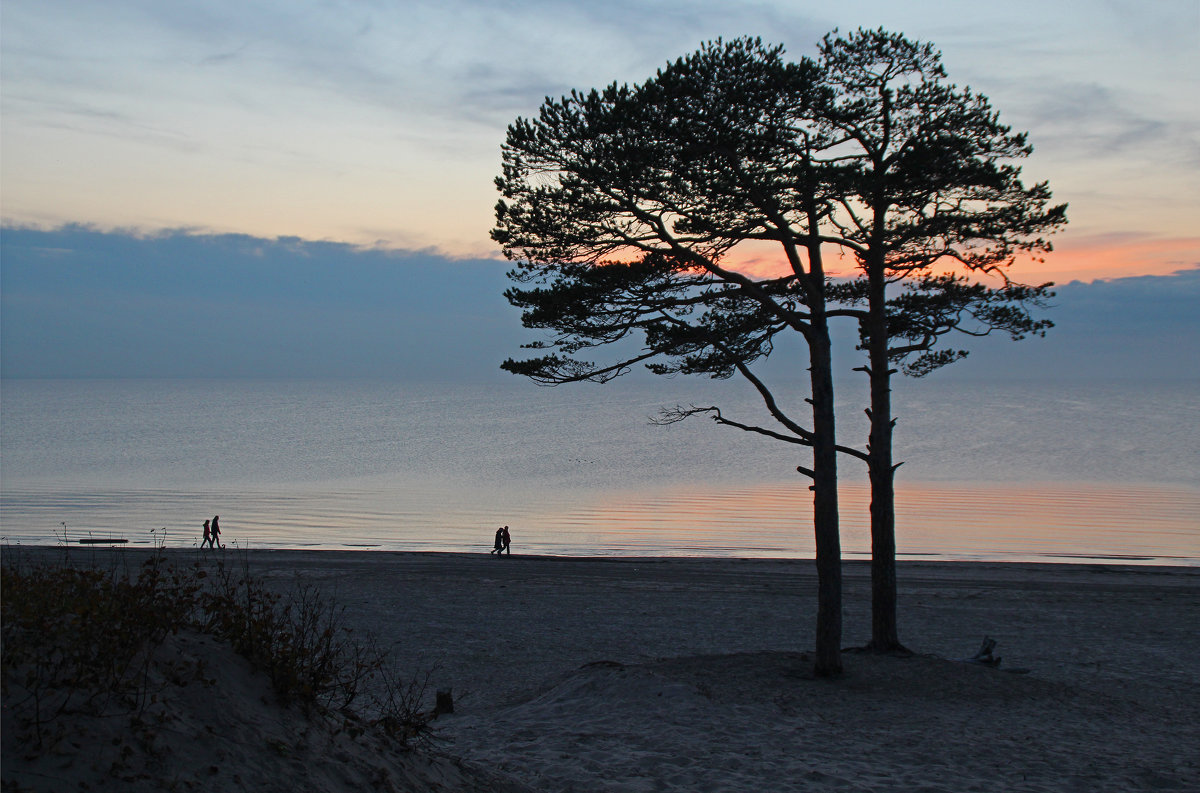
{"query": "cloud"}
(232, 115)
(1086, 120)
(83, 303)
(77, 302)
(1135, 328)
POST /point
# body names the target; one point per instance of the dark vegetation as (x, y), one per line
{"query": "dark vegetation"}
(81, 640)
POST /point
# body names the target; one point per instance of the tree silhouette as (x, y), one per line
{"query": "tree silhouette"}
(926, 180)
(626, 209)
(621, 208)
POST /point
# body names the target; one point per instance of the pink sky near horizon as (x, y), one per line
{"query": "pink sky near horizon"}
(1099, 257)
(1112, 256)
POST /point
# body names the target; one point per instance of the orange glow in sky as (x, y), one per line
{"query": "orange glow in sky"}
(1073, 258)
(1111, 256)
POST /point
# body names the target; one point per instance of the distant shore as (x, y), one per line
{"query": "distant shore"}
(680, 674)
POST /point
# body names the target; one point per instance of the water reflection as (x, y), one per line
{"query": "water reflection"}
(1140, 523)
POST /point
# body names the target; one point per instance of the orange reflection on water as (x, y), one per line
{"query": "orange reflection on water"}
(1052, 520)
(933, 520)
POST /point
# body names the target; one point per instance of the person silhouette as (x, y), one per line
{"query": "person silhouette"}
(215, 539)
(207, 536)
(498, 546)
(507, 540)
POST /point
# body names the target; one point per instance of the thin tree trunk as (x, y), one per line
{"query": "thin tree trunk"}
(825, 507)
(884, 630)
(827, 536)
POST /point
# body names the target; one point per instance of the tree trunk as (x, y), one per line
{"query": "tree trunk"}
(825, 506)
(884, 632)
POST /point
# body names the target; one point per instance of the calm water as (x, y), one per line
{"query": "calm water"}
(1013, 471)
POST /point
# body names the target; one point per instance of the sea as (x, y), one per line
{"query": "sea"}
(1003, 471)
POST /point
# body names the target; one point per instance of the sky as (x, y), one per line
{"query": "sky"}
(359, 139)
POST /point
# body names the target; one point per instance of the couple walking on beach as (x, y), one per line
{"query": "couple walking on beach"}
(503, 540)
(212, 533)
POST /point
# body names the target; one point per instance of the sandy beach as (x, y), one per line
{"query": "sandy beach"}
(609, 674)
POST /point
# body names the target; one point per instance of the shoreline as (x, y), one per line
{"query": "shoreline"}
(1138, 523)
(118, 545)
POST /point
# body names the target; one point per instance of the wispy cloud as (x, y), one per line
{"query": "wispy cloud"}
(234, 115)
(1089, 120)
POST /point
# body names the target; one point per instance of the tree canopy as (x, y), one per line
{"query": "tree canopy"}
(627, 211)
(929, 194)
(621, 207)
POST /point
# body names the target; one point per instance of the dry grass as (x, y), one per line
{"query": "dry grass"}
(79, 639)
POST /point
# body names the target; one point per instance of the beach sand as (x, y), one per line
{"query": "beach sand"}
(639, 674)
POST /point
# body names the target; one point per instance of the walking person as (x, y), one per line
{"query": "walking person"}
(215, 540)
(507, 540)
(498, 546)
(207, 536)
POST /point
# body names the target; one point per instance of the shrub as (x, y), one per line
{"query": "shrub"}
(81, 639)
